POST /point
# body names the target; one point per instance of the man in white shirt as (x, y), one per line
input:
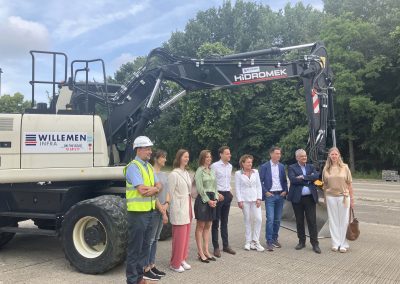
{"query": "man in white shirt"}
(223, 172)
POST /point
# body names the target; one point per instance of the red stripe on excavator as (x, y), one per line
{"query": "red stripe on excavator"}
(315, 101)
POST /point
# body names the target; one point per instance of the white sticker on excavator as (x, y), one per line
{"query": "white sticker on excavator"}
(250, 69)
(57, 142)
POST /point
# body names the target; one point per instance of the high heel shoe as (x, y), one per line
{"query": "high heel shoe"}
(211, 258)
(203, 260)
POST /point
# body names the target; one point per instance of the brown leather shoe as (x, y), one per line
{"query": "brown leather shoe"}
(229, 250)
(217, 252)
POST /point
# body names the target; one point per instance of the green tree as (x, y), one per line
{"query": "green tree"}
(363, 41)
(13, 104)
(126, 70)
(362, 37)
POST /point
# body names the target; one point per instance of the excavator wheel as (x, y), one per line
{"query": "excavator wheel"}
(94, 234)
(6, 237)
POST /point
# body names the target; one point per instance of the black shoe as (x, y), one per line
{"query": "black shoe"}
(211, 258)
(157, 272)
(316, 249)
(300, 246)
(205, 260)
(148, 275)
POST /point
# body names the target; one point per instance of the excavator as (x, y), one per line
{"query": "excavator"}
(61, 165)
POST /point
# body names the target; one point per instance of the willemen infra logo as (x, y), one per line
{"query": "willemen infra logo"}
(57, 142)
(30, 140)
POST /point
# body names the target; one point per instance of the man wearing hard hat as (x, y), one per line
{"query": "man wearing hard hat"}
(142, 188)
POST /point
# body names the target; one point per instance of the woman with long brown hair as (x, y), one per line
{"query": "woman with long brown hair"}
(339, 198)
(205, 205)
(179, 184)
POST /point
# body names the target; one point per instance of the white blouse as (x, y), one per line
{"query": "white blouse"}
(248, 189)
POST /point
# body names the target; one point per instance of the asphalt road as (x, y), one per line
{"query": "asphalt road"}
(377, 202)
(374, 257)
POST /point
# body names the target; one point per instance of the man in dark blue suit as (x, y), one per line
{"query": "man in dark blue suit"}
(274, 189)
(304, 197)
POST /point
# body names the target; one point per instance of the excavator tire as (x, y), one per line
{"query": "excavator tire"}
(6, 237)
(94, 234)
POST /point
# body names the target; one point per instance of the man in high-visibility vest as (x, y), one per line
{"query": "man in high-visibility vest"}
(142, 188)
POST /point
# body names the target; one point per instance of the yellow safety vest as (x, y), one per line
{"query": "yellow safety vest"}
(134, 200)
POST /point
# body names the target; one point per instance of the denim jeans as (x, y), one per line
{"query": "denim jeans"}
(157, 226)
(139, 233)
(273, 209)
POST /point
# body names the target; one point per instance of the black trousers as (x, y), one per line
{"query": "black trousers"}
(222, 216)
(138, 250)
(306, 207)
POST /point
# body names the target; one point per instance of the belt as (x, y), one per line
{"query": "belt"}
(276, 192)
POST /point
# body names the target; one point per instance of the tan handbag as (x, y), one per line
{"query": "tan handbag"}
(353, 229)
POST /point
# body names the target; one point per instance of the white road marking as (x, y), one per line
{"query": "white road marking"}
(378, 184)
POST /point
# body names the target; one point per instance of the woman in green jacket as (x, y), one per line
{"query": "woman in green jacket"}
(205, 205)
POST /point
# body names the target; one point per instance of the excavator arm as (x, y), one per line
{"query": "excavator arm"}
(133, 104)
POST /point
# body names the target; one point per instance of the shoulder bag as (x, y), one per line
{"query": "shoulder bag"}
(353, 229)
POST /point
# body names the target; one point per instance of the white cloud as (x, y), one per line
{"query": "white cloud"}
(154, 29)
(122, 59)
(137, 35)
(71, 28)
(18, 36)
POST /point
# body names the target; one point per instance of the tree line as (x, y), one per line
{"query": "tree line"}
(362, 38)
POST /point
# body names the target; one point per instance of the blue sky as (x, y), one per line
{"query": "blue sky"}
(116, 31)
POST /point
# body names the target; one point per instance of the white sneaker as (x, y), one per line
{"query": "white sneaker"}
(259, 247)
(247, 246)
(180, 269)
(253, 245)
(186, 265)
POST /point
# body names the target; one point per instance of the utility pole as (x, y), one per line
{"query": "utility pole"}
(1, 71)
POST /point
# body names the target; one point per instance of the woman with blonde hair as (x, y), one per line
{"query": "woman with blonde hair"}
(180, 211)
(205, 210)
(339, 198)
(249, 196)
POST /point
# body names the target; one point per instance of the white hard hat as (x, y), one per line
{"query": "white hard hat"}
(142, 141)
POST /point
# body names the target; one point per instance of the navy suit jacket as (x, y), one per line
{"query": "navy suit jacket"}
(266, 178)
(296, 185)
